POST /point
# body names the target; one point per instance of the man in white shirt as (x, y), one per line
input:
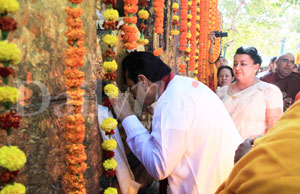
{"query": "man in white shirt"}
(193, 138)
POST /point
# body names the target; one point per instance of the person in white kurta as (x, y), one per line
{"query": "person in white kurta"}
(193, 138)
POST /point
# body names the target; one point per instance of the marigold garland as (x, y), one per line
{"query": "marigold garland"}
(12, 159)
(74, 78)
(183, 25)
(129, 32)
(143, 15)
(110, 66)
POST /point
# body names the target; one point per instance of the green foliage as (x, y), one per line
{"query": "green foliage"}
(262, 24)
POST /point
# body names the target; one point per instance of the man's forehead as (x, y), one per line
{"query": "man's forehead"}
(287, 56)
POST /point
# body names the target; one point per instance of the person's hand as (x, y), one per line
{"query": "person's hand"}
(212, 37)
(121, 106)
(287, 102)
(243, 149)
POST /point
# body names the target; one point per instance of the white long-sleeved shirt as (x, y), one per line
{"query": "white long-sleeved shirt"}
(193, 138)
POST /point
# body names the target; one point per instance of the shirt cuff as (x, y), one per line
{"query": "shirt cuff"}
(133, 126)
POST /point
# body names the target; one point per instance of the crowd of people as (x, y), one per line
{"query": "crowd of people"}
(197, 135)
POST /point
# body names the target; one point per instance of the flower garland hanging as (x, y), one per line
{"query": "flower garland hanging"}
(203, 42)
(159, 6)
(183, 25)
(74, 121)
(110, 67)
(143, 15)
(193, 36)
(128, 30)
(197, 40)
(175, 19)
(12, 159)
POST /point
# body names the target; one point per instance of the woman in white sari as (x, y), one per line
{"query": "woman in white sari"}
(254, 105)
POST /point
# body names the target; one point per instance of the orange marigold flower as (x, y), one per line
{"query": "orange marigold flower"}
(75, 1)
(130, 20)
(75, 128)
(130, 45)
(75, 149)
(76, 138)
(74, 34)
(77, 102)
(74, 119)
(77, 168)
(73, 82)
(75, 62)
(81, 191)
(74, 181)
(75, 159)
(74, 22)
(75, 94)
(73, 73)
(73, 52)
(74, 12)
(158, 51)
(133, 2)
(130, 9)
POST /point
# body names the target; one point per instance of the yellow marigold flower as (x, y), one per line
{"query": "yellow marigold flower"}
(175, 6)
(111, 90)
(111, 14)
(198, 26)
(190, 3)
(8, 6)
(110, 164)
(189, 35)
(10, 52)
(143, 14)
(189, 24)
(187, 59)
(110, 40)
(12, 158)
(198, 10)
(143, 41)
(195, 78)
(196, 72)
(174, 32)
(197, 17)
(197, 33)
(110, 190)
(198, 1)
(189, 16)
(109, 124)
(197, 51)
(110, 66)
(109, 145)
(16, 188)
(175, 17)
(196, 65)
(196, 57)
(9, 94)
(188, 50)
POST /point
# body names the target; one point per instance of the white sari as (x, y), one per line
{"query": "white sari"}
(248, 107)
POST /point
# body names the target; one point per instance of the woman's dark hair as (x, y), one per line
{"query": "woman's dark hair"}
(225, 67)
(144, 63)
(273, 59)
(252, 52)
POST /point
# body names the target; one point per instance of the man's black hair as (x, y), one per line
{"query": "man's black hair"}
(144, 63)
